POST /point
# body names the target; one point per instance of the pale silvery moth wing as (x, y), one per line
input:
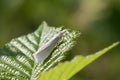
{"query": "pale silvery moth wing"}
(46, 49)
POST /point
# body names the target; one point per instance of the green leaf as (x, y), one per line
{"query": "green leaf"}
(66, 70)
(16, 58)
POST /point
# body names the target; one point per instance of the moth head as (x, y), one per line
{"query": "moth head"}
(60, 34)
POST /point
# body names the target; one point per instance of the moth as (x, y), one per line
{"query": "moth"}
(46, 49)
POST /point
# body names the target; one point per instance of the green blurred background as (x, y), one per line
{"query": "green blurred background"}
(98, 20)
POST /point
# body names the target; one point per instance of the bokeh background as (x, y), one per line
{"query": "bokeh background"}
(98, 21)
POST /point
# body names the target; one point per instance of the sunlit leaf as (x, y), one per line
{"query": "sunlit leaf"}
(64, 71)
(16, 58)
